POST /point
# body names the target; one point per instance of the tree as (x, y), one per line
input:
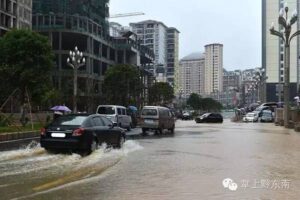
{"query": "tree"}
(122, 85)
(194, 101)
(26, 60)
(161, 94)
(209, 104)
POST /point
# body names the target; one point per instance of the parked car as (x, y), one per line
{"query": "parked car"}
(81, 133)
(157, 118)
(250, 117)
(187, 116)
(258, 111)
(209, 118)
(117, 114)
(267, 116)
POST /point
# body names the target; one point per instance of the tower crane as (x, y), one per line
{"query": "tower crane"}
(126, 15)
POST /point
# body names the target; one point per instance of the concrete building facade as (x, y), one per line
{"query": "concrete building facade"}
(273, 50)
(232, 80)
(164, 42)
(213, 68)
(84, 24)
(15, 14)
(172, 56)
(153, 34)
(191, 75)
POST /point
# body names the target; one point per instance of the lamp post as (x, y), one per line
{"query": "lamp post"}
(260, 79)
(286, 36)
(76, 60)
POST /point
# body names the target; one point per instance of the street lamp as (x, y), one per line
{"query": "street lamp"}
(260, 79)
(286, 36)
(75, 60)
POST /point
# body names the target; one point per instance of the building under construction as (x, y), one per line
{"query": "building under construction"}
(83, 23)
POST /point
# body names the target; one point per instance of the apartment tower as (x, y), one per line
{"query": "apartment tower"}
(164, 42)
(191, 74)
(213, 68)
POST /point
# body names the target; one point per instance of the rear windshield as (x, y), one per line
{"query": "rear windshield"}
(106, 110)
(69, 120)
(149, 112)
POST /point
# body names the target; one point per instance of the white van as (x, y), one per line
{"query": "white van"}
(117, 114)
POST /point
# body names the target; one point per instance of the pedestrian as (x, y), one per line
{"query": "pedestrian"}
(57, 114)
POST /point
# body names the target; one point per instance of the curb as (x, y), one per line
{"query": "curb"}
(18, 135)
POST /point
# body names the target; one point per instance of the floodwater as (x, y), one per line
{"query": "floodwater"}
(261, 159)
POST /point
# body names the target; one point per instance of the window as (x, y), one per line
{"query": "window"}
(106, 110)
(119, 111)
(97, 121)
(69, 120)
(149, 112)
(106, 121)
(123, 111)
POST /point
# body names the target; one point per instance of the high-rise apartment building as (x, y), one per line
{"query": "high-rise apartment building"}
(172, 56)
(153, 34)
(164, 42)
(273, 50)
(15, 14)
(213, 68)
(191, 74)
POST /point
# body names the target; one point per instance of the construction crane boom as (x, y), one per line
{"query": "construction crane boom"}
(126, 15)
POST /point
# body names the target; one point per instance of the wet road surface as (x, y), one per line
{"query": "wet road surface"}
(262, 159)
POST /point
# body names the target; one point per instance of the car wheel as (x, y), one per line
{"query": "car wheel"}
(172, 130)
(129, 127)
(144, 131)
(121, 142)
(93, 146)
(159, 131)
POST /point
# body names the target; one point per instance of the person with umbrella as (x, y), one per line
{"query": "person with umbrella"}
(59, 111)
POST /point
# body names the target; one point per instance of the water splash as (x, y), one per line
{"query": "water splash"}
(32, 149)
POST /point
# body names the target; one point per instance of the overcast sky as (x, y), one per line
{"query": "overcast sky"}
(234, 23)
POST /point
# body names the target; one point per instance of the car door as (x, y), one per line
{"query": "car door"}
(170, 120)
(112, 133)
(120, 117)
(99, 129)
(125, 118)
(211, 118)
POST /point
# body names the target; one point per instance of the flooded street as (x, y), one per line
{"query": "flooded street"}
(262, 159)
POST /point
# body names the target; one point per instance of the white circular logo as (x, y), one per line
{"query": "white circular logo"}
(230, 184)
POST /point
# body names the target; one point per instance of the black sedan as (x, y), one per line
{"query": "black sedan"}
(81, 133)
(209, 118)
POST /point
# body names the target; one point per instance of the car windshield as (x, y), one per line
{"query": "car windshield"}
(149, 112)
(106, 110)
(69, 120)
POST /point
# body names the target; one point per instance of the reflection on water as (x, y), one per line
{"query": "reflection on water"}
(31, 171)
